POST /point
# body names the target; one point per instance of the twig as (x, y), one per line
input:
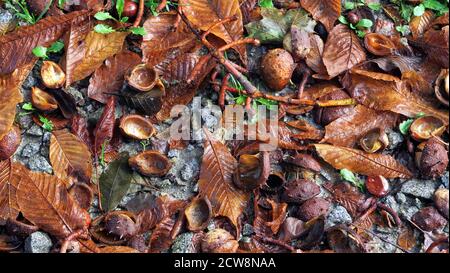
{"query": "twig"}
(392, 212)
(140, 14)
(161, 5)
(223, 90)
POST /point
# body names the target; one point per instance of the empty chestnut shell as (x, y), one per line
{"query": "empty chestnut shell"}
(429, 219)
(377, 186)
(433, 159)
(441, 201)
(137, 127)
(219, 241)
(326, 115)
(379, 44)
(143, 78)
(52, 75)
(150, 163)
(43, 100)
(9, 143)
(277, 67)
(298, 191)
(426, 127)
(198, 214)
(313, 208)
(442, 87)
(374, 140)
(250, 173)
(274, 182)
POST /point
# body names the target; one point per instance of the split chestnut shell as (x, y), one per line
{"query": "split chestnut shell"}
(137, 127)
(198, 214)
(114, 228)
(379, 44)
(151, 163)
(143, 78)
(250, 173)
(442, 87)
(43, 100)
(52, 75)
(374, 140)
(426, 127)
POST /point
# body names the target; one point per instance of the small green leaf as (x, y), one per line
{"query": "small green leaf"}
(404, 30)
(404, 126)
(124, 19)
(374, 6)
(119, 7)
(349, 5)
(266, 3)
(347, 175)
(40, 52)
(56, 47)
(46, 123)
(61, 3)
(364, 23)
(360, 33)
(435, 5)
(343, 20)
(103, 29)
(138, 31)
(101, 16)
(241, 100)
(28, 106)
(419, 10)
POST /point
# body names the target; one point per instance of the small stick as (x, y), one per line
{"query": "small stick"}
(333, 103)
(138, 20)
(223, 90)
(392, 212)
(161, 5)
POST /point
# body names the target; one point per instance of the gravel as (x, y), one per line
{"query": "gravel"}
(420, 188)
(30, 149)
(338, 215)
(39, 163)
(38, 242)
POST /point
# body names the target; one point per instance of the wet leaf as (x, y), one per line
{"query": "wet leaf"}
(325, 11)
(342, 51)
(218, 167)
(66, 102)
(8, 187)
(79, 127)
(362, 163)
(104, 130)
(115, 182)
(407, 239)
(70, 157)
(420, 24)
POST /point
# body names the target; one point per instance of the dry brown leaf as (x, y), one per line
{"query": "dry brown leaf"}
(362, 163)
(216, 181)
(99, 47)
(384, 92)
(420, 24)
(118, 249)
(8, 187)
(342, 51)
(407, 239)
(348, 130)
(435, 43)
(109, 77)
(205, 13)
(43, 199)
(325, 11)
(70, 157)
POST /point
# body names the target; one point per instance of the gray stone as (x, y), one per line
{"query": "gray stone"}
(35, 130)
(77, 95)
(173, 153)
(46, 137)
(183, 243)
(444, 180)
(420, 188)
(188, 172)
(248, 230)
(395, 139)
(39, 163)
(30, 149)
(339, 215)
(25, 121)
(38, 242)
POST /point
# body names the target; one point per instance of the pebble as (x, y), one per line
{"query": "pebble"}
(39, 163)
(30, 149)
(445, 179)
(38, 242)
(420, 188)
(25, 121)
(395, 139)
(188, 172)
(183, 243)
(339, 215)
(35, 130)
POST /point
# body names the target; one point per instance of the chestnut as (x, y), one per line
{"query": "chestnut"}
(379, 44)
(9, 143)
(326, 115)
(434, 159)
(136, 127)
(277, 67)
(298, 191)
(219, 241)
(150, 163)
(441, 201)
(377, 186)
(43, 100)
(313, 208)
(429, 219)
(250, 173)
(353, 17)
(130, 9)
(52, 75)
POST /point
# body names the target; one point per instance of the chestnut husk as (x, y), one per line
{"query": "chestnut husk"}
(219, 241)
(10, 142)
(426, 127)
(252, 171)
(429, 219)
(42, 100)
(441, 201)
(433, 160)
(374, 140)
(198, 214)
(150, 163)
(274, 182)
(299, 191)
(326, 115)
(379, 44)
(136, 127)
(52, 75)
(114, 228)
(441, 89)
(144, 78)
(277, 67)
(313, 208)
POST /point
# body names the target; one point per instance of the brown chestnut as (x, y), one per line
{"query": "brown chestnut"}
(9, 143)
(298, 191)
(313, 208)
(326, 115)
(277, 67)
(353, 17)
(377, 186)
(52, 75)
(219, 241)
(151, 163)
(130, 9)
(379, 44)
(120, 224)
(250, 173)
(434, 159)
(43, 100)
(137, 127)
(429, 219)
(441, 201)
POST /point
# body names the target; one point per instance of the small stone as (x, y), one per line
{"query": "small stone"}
(35, 130)
(339, 215)
(163, 183)
(209, 120)
(77, 95)
(248, 230)
(173, 153)
(46, 137)
(30, 149)
(401, 198)
(25, 121)
(445, 179)
(39, 163)
(29, 82)
(188, 172)
(420, 188)
(38, 242)
(395, 139)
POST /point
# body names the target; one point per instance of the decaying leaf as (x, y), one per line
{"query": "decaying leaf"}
(360, 162)
(407, 239)
(8, 187)
(420, 24)
(216, 183)
(325, 11)
(104, 130)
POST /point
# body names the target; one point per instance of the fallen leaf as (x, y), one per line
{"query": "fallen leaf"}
(407, 239)
(420, 24)
(8, 187)
(161, 238)
(325, 11)
(70, 157)
(79, 127)
(362, 163)
(342, 51)
(216, 181)
(118, 249)
(104, 130)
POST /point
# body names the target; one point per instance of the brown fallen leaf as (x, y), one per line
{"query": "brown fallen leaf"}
(348, 130)
(109, 77)
(44, 201)
(104, 130)
(269, 216)
(436, 43)
(362, 163)
(70, 157)
(325, 11)
(118, 249)
(8, 187)
(216, 181)
(420, 24)
(407, 239)
(79, 127)
(342, 51)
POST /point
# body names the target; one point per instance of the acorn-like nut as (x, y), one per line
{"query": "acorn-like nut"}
(353, 17)
(378, 186)
(374, 141)
(52, 75)
(150, 163)
(300, 190)
(219, 241)
(441, 201)
(137, 127)
(198, 214)
(379, 44)
(441, 89)
(9, 143)
(425, 128)
(429, 219)
(326, 115)
(144, 78)
(130, 9)
(43, 100)
(120, 224)
(313, 208)
(434, 159)
(277, 67)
